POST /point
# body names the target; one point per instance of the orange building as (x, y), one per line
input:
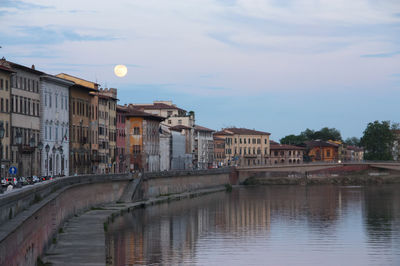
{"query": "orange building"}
(143, 140)
(323, 151)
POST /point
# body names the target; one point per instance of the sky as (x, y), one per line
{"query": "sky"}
(279, 66)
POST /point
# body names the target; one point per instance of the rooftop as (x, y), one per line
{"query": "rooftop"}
(133, 112)
(79, 81)
(200, 128)
(158, 106)
(245, 131)
(179, 128)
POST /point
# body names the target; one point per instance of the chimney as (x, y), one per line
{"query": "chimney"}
(33, 67)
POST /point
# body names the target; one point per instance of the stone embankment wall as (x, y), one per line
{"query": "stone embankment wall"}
(31, 216)
(37, 212)
(346, 175)
(162, 184)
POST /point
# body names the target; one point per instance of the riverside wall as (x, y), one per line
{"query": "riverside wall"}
(30, 217)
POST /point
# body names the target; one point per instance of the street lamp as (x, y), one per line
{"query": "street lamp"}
(32, 145)
(60, 149)
(54, 149)
(18, 141)
(40, 147)
(47, 148)
(121, 165)
(1, 145)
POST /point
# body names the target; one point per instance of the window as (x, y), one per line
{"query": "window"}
(56, 100)
(240, 141)
(1, 84)
(265, 141)
(45, 132)
(244, 141)
(49, 100)
(45, 99)
(7, 105)
(56, 128)
(2, 105)
(49, 132)
(136, 149)
(179, 122)
(136, 131)
(7, 129)
(328, 153)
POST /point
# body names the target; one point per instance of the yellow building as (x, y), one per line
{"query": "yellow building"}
(5, 108)
(245, 147)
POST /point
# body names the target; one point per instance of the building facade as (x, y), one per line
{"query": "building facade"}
(5, 116)
(25, 119)
(121, 154)
(80, 99)
(321, 151)
(203, 147)
(286, 154)
(107, 129)
(144, 140)
(180, 158)
(245, 147)
(54, 125)
(174, 116)
(165, 148)
(219, 151)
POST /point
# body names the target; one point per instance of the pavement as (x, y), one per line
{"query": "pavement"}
(82, 241)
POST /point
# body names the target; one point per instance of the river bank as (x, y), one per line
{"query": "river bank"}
(81, 241)
(359, 178)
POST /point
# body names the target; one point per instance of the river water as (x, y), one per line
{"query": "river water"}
(268, 225)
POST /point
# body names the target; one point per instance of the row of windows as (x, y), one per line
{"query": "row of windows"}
(60, 101)
(60, 133)
(23, 105)
(4, 84)
(27, 133)
(25, 84)
(80, 107)
(245, 141)
(282, 153)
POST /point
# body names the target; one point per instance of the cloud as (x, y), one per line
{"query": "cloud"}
(22, 5)
(382, 55)
(48, 35)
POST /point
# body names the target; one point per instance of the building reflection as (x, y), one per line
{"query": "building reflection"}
(172, 233)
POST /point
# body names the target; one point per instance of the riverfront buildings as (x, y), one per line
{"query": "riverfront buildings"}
(64, 125)
(25, 118)
(245, 147)
(5, 114)
(54, 125)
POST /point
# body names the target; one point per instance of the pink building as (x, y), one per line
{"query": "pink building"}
(121, 156)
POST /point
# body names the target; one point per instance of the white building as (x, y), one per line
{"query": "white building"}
(180, 159)
(54, 124)
(165, 148)
(203, 147)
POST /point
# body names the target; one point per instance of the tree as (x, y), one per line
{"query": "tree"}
(353, 141)
(309, 134)
(378, 141)
(293, 139)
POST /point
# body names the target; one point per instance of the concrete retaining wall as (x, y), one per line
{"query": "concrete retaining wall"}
(38, 211)
(11, 204)
(173, 182)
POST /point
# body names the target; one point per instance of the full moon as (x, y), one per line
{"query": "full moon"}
(120, 70)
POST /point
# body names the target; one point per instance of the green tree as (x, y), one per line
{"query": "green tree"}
(309, 134)
(353, 141)
(378, 141)
(293, 139)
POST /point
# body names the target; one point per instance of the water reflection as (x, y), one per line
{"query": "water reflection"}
(278, 225)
